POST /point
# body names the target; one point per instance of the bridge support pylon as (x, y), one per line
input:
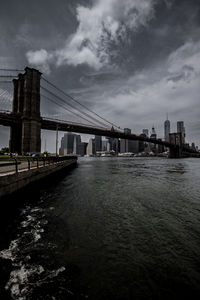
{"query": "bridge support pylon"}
(175, 152)
(26, 104)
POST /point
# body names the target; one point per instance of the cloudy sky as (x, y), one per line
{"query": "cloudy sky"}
(132, 61)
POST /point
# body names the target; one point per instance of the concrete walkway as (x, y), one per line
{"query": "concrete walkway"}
(10, 168)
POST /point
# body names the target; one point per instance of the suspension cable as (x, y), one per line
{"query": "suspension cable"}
(83, 113)
(60, 105)
(73, 99)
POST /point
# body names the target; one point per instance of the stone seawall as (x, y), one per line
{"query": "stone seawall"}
(13, 182)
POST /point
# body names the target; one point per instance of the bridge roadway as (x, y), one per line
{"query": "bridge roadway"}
(11, 119)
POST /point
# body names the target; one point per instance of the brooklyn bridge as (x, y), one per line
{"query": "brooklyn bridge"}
(26, 122)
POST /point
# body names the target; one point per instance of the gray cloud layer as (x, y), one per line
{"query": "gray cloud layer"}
(132, 63)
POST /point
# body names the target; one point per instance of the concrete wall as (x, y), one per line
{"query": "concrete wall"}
(14, 182)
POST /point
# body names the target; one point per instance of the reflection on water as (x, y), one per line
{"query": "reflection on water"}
(114, 228)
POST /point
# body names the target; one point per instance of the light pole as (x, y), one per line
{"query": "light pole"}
(57, 140)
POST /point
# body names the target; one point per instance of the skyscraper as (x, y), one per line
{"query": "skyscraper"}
(167, 129)
(153, 136)
(98, 143)
(146, 132)
(71, 144)
(91, 147)
(129, 145)
(67, 143)
(181, 129)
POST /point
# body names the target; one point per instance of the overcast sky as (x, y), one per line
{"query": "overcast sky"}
(132, 61)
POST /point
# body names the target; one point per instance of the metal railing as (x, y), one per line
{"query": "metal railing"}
(16, 165)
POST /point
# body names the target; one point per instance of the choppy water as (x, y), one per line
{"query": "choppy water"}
(113, 228)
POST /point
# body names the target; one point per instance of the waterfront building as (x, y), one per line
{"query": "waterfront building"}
(114, 145)
(91, 147)
(67, 144)
(71, 144)
(77, 142)
(98, 143)
(128, 145)
(105, 145)
(81, 149)
(166, 129)
(181, 129)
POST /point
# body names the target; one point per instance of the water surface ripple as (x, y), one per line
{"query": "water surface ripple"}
(113, 228)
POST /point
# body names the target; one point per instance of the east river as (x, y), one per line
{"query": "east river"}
(112, 228)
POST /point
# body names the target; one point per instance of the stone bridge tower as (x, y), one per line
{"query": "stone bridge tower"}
(26, 137)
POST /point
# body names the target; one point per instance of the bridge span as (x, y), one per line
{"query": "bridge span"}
(26, 122)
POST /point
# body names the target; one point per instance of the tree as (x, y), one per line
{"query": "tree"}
(4, 150)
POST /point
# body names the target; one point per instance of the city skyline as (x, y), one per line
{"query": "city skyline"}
(86, 138)
(71, 143)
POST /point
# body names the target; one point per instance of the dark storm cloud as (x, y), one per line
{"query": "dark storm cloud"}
(143, 63)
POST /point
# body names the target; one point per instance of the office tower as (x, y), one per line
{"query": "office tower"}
(114, 145)
(167, 129)
(181, 129)
(145, 132)
(67, 144)
(71, 144)
(153, 136)
(129, 145)
(91, 147)
(98, 143)
(153, 133)
(104, 145)
(81, 150)
(77, 142)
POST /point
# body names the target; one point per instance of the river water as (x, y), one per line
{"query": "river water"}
(112, 228)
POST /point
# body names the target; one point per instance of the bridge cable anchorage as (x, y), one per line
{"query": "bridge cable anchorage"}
(60, 105)
(83, 113)
(76, 101)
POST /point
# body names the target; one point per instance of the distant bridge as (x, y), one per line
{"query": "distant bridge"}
(26, 122)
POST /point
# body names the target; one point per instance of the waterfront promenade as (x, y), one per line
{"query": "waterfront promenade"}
(16, 175)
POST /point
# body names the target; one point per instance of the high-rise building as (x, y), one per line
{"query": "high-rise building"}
(181, 129)
(167, 129)
(145, 132)
(193, 146)
(129, 145)
(114, 145)
(105, 146)
(77, 142)
(153, 136)
(98, 143)
(67, 144)
(71, 144)
(91, 147)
